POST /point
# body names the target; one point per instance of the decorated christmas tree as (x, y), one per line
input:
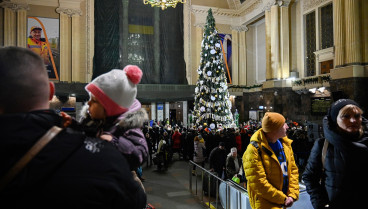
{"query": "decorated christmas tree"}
(211, 103)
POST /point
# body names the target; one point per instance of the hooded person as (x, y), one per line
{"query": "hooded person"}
(335, 175)
(269, 165)
(114, 114)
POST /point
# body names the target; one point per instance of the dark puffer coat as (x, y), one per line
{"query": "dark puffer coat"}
(344, 180)
(72, 171)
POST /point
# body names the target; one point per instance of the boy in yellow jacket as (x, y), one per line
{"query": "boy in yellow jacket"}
(270, 167)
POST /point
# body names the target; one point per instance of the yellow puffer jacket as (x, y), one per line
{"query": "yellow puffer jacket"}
(264, 174)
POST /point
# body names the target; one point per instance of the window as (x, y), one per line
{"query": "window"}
(310, 60)
(319, 40)
(326, 27)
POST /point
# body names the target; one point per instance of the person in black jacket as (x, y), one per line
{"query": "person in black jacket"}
(341, 181)
(218, 160)
(72, 170)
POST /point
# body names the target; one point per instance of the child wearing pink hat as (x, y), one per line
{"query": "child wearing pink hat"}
(114, 114)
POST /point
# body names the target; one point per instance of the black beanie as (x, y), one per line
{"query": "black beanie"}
(337, 106)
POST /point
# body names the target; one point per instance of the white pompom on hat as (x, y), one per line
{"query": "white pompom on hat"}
(116, 90)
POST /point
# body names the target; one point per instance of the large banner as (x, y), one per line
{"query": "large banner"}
(43, 38)
(227, 51)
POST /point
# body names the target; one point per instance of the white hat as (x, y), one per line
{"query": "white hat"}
(117, 89)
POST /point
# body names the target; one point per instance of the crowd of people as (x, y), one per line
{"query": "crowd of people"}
(97, 162)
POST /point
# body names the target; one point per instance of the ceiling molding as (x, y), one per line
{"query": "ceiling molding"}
(249, 11)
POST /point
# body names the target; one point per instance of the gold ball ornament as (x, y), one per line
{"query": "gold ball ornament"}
(215, 95)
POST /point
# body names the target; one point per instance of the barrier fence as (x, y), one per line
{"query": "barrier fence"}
(217, 193)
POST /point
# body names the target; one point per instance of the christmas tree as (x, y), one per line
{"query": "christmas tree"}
(211, 103)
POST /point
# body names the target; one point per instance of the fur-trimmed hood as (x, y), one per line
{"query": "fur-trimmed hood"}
(133, 118)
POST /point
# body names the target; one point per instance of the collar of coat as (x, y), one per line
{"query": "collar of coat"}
(128, 120)
(260, 137)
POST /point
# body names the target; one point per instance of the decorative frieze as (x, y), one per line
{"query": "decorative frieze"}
(14, 5)
(239, 28)
(70, 12)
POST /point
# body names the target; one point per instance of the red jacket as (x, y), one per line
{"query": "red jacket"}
(176, 140)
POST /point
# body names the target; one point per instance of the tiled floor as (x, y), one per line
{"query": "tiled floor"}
(170, 189)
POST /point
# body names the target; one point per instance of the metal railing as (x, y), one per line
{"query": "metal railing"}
(230, 191)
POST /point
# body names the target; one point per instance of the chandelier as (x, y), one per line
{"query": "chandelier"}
(163, 3)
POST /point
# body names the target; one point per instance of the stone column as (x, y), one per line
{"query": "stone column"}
(242, 57)
(22, 24)
(353, 41)
(275, 43)
(157, 46)
(235, 56)
(153, 111)
(185, 113)
(78, 75)
(90, 42)
(285, 43)
(15, 22)
(365, 31)
(65, 48)
(268, 44)
(239, 55)
(196, 51)
(10, 38)
(70, 50)
(187, 16)
(167, 111)
(339, 32)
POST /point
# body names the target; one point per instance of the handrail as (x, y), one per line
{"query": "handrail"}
(226, 199)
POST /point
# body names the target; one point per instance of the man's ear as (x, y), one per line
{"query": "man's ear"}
(52, 90)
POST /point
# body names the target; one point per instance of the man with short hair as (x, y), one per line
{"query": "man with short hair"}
(72, 170)
(269, 165)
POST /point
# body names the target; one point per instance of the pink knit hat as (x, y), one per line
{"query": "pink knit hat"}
(117, 89)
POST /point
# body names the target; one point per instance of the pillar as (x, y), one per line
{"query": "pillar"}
(65, 49)
(353, 41)
(185, 113)
(167, 111)
(339, 38)
(153, 111)
(285, 43)
(196, 51)
(70, 50)
(235, 57)
(78, 75)
(364, 24)
(275, 43)
(9, 27)
(22, 27)
(268, 44)
(242, 57)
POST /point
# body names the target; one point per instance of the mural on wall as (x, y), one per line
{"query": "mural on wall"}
(43, 38)
(226, 49)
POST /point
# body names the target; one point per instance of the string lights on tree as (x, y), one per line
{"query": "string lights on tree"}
(211, 103)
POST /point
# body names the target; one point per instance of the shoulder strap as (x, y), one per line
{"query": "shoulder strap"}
(32, 152)
(255, 144)
(324, 152)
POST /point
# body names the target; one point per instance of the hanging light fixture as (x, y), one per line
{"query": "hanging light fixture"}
(163, 3)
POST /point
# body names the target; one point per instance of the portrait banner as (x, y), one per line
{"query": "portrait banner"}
(43, 39)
